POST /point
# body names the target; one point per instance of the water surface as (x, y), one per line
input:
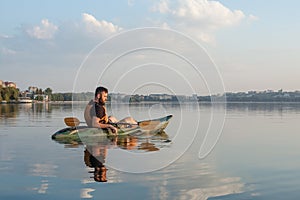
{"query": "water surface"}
(256, 157)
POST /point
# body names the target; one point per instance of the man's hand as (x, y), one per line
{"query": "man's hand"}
(113, 129)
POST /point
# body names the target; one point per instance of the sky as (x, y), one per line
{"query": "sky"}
(67, 45)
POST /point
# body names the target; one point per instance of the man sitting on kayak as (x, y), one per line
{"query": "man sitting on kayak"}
(95, 112)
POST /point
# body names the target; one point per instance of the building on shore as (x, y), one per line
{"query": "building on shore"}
(25, 100)
(41, 97)
(32, 89)
(6, 84)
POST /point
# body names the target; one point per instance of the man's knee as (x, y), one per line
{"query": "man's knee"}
(129, 120)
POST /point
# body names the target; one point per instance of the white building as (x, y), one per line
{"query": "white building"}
(32, 89)
(8, 84)
(45, 97)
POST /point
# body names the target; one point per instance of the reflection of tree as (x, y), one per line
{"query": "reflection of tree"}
(9, 110)
(13, 110)
(38, 108)
(42, 107)
(263, 108)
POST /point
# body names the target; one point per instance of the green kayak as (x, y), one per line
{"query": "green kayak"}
(84, 133)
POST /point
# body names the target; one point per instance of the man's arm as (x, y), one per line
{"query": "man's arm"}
(96, 124)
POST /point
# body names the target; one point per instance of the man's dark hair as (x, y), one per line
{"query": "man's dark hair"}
(100, 89)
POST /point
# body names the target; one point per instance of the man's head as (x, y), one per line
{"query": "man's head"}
(101, 94)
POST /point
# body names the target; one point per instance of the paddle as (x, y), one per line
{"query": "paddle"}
(73, 121)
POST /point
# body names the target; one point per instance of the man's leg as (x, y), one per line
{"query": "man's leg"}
(129, 120)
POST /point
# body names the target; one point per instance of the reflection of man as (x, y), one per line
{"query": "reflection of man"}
(95, 155)
(127, 142)
(147, 146)
(97, 164)
(95, 112)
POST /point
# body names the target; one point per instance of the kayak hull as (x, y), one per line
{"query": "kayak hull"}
(84, 133)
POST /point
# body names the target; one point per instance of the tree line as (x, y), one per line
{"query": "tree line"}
(10, 94)
(265, 96)
(69, 96)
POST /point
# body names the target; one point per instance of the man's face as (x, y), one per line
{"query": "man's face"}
(103, 97)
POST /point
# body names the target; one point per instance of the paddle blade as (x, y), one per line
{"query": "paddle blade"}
(71, 121)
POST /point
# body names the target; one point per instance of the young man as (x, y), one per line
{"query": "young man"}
(95, 112)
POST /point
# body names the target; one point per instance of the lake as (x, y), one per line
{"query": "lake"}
(237, 151)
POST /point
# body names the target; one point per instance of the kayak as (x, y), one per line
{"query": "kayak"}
(85, 133)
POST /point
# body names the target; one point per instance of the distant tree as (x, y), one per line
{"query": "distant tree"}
(39, 98)
(40, 91)
(1, 93)
(134, 98)
(9, 93)
(53, 97)
(67, 96)
(48, 91)
(14, 94)
(57, 97)
(6, 97)
(60, 97)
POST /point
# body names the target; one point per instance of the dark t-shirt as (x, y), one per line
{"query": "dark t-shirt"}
(100, 111)
(95, 109)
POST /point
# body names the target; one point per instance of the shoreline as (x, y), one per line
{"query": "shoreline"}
(154, 102)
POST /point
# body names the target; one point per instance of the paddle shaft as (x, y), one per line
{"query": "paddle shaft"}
(73, 121)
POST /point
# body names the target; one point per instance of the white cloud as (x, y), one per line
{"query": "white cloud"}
(88, 27)
(6, 51)
(102, 27)
(5, 36)
(253, 18)
(69, 36)
(211, 12)
(130, 2)
(165, 26)
(162, 7)
(200, 18)
(45, 31)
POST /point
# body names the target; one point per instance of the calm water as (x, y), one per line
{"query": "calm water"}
(256, 157)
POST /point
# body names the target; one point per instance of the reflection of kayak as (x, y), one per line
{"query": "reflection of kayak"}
(82, 133)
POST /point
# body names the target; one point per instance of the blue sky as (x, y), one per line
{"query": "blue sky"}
(255, 44)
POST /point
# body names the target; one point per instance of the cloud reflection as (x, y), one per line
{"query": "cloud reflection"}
(200, 181)
(43, 170)
(85, 193)
(215, 191)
